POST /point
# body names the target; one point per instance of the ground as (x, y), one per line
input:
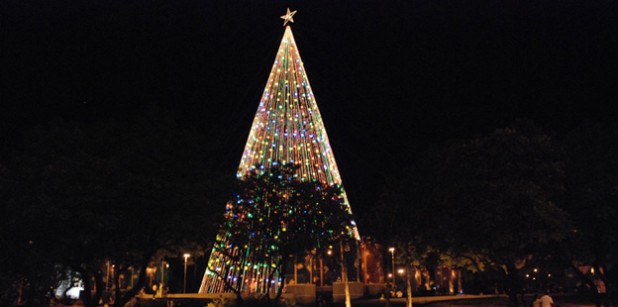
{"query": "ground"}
(435, 301)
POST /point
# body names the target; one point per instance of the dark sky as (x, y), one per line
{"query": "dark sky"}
(390, 77)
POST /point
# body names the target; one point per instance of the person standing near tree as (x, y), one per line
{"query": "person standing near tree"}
(546, 300)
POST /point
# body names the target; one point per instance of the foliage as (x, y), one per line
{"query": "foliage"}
(82, 196)
(489, 201)
(273, 215)
(499, 193)
(296, 216)
(591, 199)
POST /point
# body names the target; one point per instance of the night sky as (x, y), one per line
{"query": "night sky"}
(390, 77)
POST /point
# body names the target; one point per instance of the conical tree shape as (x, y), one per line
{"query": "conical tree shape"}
(287, 126)
(287, 129)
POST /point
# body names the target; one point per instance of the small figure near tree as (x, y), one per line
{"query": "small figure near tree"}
(545, 300)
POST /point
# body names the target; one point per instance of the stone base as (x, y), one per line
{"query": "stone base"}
(357, 289)
(304, 293)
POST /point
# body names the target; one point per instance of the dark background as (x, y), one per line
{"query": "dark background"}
(391, 78)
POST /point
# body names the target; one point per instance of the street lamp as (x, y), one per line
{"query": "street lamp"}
(186, 255)
(392, 250)
(400, 272)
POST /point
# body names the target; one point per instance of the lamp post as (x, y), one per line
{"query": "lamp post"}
(392, 250)
(164, 267)
(186, 256)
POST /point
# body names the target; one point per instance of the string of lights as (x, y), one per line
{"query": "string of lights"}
(287, 129)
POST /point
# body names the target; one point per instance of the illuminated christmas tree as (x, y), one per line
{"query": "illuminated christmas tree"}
(287, 131)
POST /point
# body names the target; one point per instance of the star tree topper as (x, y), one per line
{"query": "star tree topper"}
(288, 17)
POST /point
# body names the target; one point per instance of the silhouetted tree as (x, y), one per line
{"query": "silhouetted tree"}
(592, 183)
(117, 192)
(492, 199)
(274, 215)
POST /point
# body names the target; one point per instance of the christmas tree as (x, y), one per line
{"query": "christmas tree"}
(287, 149)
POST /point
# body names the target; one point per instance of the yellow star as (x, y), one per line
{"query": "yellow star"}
(288, 17)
